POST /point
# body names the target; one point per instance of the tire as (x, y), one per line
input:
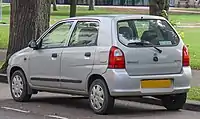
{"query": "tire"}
(174, 102)
(108, 101)
(19, 85)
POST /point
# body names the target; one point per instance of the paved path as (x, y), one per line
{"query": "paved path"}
(196, 78)
(58, 106)
(2, 55)
(172, 9)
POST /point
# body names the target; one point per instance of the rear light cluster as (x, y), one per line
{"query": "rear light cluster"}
(116, 58)
(186, 57)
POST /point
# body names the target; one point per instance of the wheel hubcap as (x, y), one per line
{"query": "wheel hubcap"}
(17, 86)
(97, 97)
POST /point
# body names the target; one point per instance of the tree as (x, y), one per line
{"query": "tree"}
(122, 2)
(91, 4)
(28, 20)
(73, 4)
(159, 8)
(54, 5)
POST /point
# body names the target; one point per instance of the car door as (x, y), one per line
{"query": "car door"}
(78, 59)
(45, 62)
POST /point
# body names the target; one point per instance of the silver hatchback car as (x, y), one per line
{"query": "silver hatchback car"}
(105, 57)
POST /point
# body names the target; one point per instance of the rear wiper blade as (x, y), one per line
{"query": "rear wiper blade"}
(146, 43)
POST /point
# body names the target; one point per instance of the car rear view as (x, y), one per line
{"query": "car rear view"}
(148, 58)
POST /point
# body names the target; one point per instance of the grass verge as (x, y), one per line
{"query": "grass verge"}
(63, 12)
(194, 94)
(4, 33)
(191, 38)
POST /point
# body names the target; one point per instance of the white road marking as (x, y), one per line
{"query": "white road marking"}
(17, 110)
(57, 117)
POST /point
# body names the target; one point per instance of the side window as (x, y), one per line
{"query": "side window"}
(85, 34)
(57, 36)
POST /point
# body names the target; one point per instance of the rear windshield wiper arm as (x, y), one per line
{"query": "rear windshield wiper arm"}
(146, 43)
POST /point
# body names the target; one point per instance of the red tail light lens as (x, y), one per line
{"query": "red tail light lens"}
(116, 58)
(186, 57)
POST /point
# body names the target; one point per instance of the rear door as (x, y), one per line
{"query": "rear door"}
(78, 58)
(144, 59)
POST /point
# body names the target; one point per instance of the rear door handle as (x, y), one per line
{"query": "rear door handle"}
(54, 55)
(88, 54)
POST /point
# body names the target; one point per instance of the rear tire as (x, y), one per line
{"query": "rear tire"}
(19, 87)
(100, 100)
(174, 102)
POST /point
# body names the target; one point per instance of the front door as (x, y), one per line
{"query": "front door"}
(78, 59)
(45, 62)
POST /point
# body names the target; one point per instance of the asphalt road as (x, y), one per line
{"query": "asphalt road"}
(58, 106)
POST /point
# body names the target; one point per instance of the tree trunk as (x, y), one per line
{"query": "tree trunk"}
(122, 2)
(54, 5)
(28, 20)
(91, 4)
(159, 8)
(73, 8)
(133, 2)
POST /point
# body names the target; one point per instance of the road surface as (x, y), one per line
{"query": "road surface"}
(58, 106)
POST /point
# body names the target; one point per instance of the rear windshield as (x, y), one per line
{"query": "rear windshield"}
(157, 32)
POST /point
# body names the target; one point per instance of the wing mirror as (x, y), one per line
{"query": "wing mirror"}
(33, 44)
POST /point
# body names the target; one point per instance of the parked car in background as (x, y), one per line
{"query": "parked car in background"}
(105, 57)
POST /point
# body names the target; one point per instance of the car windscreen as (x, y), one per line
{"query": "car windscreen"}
(156, 32)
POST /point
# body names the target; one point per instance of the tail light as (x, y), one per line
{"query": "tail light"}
(186, 57)
(116, 58)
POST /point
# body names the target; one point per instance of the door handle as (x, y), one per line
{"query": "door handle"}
(54, 55)
(88, 54)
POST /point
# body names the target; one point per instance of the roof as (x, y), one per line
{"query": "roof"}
(118, 16)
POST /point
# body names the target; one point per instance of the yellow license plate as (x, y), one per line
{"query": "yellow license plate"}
(166, 83)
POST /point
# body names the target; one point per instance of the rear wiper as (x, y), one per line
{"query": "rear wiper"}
(145, 43)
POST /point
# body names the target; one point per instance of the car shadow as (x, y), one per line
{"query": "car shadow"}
(81, 103)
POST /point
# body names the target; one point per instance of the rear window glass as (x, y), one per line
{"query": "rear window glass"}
(157, 32)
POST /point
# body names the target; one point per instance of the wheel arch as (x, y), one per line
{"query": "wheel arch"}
(92, 78)
(15, 68)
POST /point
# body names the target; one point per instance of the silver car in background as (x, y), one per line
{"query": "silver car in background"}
(105, 57)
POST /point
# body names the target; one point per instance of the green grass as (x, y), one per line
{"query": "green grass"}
(4, 33)
(185, 18)
(63, 12)
(194, 93)
(191, 38)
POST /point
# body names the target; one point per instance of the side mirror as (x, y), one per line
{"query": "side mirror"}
(33, 44)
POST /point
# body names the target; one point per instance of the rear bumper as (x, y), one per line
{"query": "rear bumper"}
(121, 84)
